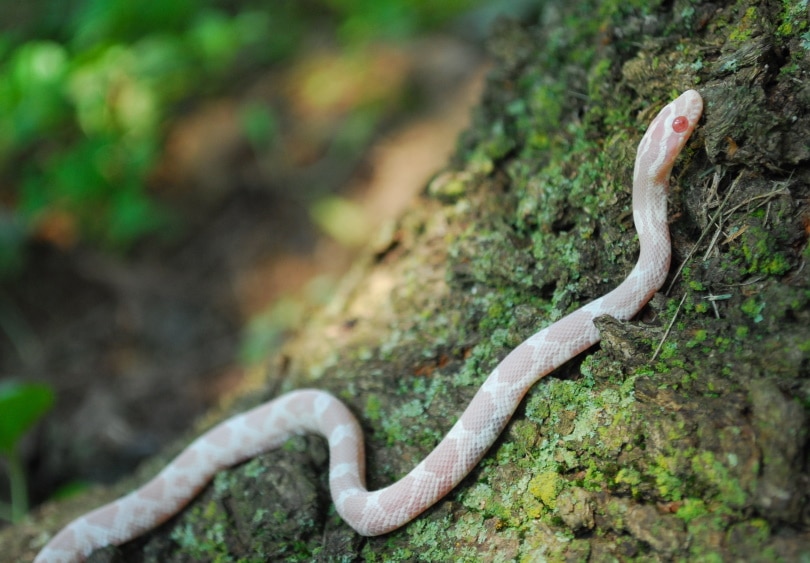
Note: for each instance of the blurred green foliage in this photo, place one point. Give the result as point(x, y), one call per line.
point(84, 96)
point(22, 405)
point(360, 20)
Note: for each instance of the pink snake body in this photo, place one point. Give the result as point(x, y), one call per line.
point(372, 513)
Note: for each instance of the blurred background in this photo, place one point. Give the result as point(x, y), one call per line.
point(179, 182)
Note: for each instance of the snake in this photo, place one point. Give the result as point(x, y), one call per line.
point(306, 411)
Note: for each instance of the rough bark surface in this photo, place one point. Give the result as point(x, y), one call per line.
point(684, 435)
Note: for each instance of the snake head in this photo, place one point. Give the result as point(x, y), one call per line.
point(665, 138)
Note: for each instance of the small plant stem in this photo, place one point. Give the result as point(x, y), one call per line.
point(19, 492)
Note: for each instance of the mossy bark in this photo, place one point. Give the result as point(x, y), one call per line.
point(684, 435)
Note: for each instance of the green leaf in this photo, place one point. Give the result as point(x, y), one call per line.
point(21, 405)
point(259, 125)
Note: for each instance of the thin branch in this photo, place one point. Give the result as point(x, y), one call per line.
point(669, 328)
point(686, 260)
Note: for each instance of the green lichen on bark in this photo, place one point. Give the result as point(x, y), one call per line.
point(699, 452)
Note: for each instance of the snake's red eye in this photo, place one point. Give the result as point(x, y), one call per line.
point(680, 124)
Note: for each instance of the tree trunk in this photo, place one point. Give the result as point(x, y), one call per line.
point(684, 435)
